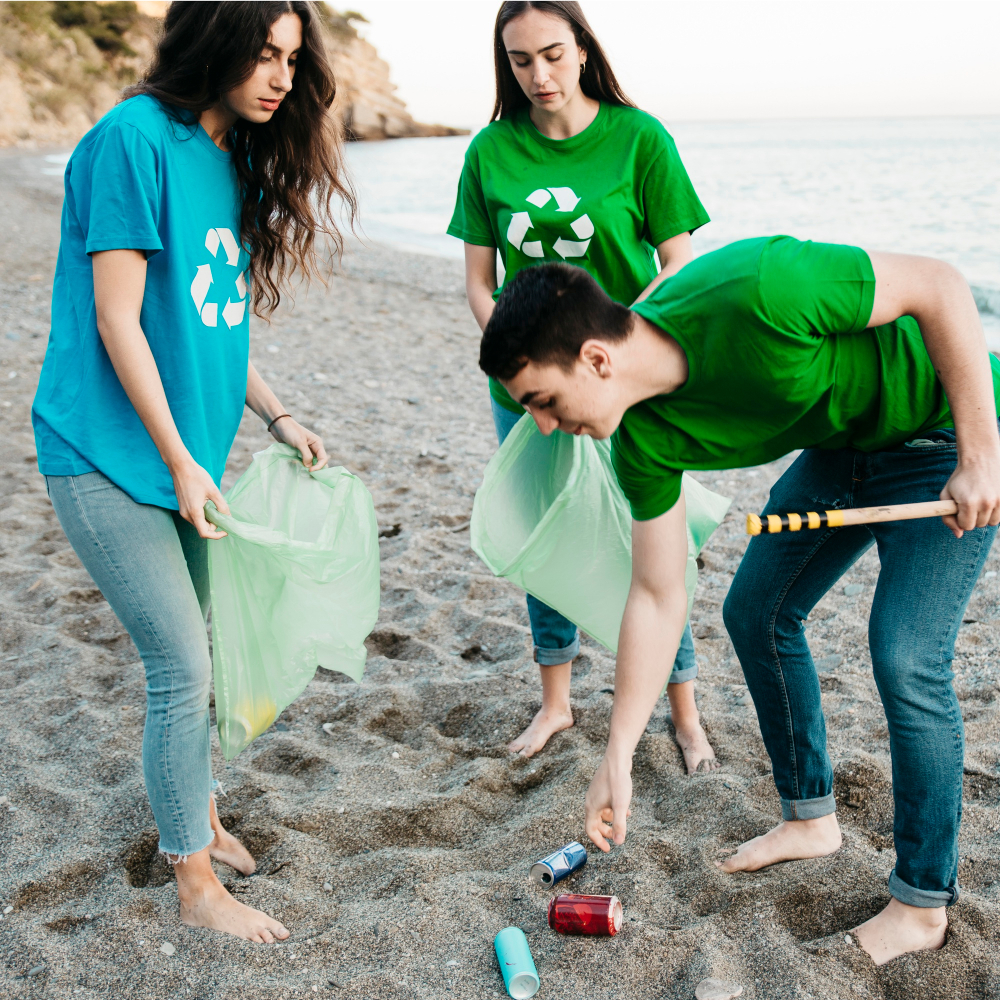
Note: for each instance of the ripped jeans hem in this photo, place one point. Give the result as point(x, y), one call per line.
point(175, 858)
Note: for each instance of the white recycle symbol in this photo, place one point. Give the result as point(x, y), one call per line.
point(232, 312)
point(566, 201)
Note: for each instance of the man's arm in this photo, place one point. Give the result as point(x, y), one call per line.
point(650, 634)
point(939, 299)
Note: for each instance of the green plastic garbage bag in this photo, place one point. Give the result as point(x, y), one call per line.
point(295, 585)
point(551, 517)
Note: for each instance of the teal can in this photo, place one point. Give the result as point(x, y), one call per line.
point(516, 964)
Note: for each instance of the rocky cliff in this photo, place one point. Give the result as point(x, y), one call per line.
point(62, 65)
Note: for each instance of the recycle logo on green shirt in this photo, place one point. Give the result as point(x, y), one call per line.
point(233, 311)
point(566, 200)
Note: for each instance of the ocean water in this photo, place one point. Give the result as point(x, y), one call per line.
point(917, 185)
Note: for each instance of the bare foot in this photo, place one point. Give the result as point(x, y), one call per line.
point(690, 737)
point(214, 907)
point(900, 929)
point(791, 840)
point(543, 726)
point(226, 848)
point(698, 752)
point(206, 903)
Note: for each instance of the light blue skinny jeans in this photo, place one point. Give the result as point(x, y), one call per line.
point(557, 639)
point(152, 567)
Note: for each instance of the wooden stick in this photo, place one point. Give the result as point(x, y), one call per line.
point(773, 523)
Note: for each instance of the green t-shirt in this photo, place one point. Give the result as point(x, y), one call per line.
point(602, 199)
point(779, 358)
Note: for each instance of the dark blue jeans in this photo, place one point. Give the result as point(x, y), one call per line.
point(925, 582)
point(556, 638)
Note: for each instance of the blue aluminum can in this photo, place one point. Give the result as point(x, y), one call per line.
point(516, 964)
point(557, 866)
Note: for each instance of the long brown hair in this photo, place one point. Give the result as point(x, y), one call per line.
point(290, 168)
point(598, 82)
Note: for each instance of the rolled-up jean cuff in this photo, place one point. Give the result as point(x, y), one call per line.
point(550, 657)
point(930, 898)
point(683, 676)
point(808, 808)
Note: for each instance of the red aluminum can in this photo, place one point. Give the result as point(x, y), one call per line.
point(573, 914)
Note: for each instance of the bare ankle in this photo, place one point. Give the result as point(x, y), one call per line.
point(556, 708)
point(683, 706)
point(555, 688)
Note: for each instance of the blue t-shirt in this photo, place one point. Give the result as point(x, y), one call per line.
point(140, 180)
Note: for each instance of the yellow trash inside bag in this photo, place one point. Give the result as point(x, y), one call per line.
point(295, 585)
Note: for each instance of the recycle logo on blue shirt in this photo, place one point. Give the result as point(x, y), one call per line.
point(566, 200)
point(231, 284)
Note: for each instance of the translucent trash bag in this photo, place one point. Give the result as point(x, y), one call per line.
point(551, 517)
point(295, 585)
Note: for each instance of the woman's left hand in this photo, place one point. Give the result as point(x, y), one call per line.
point(309, 445)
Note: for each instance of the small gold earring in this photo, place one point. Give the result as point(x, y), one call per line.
point(583, 68)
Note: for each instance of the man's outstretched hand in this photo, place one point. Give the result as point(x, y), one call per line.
point(606, 806)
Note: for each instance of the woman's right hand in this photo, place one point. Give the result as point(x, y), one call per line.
point(194, 488)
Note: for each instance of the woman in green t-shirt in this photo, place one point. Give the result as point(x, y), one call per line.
point(570, 170)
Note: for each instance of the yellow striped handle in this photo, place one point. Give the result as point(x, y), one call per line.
point(771, 524)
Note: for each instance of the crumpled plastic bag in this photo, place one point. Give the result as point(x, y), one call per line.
point(551, 517)
point(295, 585)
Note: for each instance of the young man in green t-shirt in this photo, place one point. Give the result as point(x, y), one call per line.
point(876, 365)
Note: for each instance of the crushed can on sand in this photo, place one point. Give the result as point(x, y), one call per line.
point(572, 914)
point(557, 866)
point(516, 964)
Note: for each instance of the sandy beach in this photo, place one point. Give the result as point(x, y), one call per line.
point(397, 845)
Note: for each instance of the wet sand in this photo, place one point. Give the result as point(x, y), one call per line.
point(411, 811)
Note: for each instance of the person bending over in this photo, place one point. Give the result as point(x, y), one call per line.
point(186, 206)
point(875, 365)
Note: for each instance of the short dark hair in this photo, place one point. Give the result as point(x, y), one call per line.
point(545, 314)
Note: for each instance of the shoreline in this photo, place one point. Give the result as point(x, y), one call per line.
point(427, 853)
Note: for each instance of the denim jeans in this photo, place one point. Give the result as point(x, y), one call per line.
point(152, 567)
point(925, 582)
point(556, 638)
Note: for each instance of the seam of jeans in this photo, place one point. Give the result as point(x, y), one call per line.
point(957, 723)
point(173, 796)
point(775, 611)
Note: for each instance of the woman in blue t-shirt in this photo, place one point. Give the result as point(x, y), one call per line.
point(185, 206)
point(570, 170)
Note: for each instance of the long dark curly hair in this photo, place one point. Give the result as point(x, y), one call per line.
point(599, 81)
point(290, 169)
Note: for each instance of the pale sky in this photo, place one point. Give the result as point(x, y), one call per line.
point(719, 59)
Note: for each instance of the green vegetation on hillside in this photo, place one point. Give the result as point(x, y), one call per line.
point(104, 26)
point(70, 59)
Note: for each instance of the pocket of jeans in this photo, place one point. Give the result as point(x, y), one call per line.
point(927, 444)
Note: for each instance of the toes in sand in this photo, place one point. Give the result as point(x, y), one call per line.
point(698, 753)
point(216, 909)
point(543, 727)
point(227, 849)
point(792, 840)
point(900, 929)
